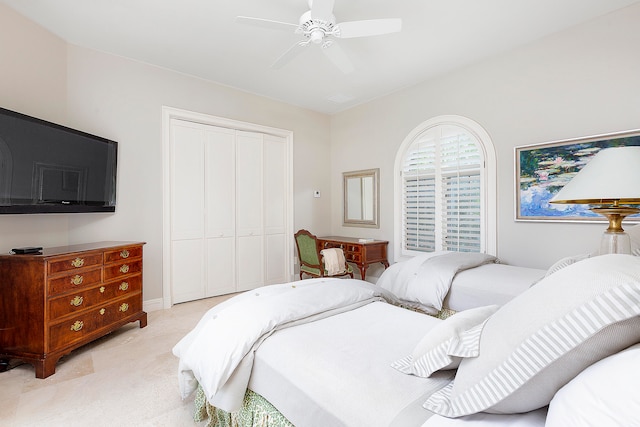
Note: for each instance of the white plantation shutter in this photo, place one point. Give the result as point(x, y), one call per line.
point(442, 191)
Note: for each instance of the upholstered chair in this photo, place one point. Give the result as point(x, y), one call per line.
point(311, 260)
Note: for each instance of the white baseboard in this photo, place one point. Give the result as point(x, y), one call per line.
point(153, 304)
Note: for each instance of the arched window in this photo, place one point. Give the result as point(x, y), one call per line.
point(445, 191)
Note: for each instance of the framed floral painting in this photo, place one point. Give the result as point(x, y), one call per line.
point(543, 169)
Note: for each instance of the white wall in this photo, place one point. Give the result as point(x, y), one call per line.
point(33, 82)
point(122, 100)
point(580, 82)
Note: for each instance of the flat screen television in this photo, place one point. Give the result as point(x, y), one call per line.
point(49, 168)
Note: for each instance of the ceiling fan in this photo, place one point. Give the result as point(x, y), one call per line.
point(318, 26)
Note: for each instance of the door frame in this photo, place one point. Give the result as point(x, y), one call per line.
point(169, 113)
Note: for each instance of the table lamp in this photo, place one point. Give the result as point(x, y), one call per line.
point(609, 182)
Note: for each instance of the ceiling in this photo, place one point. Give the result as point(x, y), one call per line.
point(202, 38)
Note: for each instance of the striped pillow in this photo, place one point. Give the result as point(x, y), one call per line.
point(565, 262)
point(541, 339)
point(443, 347)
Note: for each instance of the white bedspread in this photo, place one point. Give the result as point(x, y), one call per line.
point(337, 371)
point(218, 353)
point(425, 280)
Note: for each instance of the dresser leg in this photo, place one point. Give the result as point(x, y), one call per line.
point(143, 319)
point(45, 367)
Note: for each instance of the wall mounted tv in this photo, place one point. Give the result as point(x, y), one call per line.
point(49, 168)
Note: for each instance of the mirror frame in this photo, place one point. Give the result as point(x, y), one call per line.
point(373, 223)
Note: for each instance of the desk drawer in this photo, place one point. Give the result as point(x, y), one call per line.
point(353, 257)
point(353, 249)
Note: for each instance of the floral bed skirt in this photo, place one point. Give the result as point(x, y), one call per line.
point(256, 411)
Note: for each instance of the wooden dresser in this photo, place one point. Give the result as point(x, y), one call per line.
point(362, 254)
point(54, 302)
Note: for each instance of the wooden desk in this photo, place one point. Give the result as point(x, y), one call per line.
point(362, 254)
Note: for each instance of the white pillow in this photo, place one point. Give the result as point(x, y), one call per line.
point(565, 262)
point(541, 339)
point(432, 280)
point(604, 394)
point(442, 348)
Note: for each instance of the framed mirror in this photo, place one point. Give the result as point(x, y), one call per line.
point(361, 198)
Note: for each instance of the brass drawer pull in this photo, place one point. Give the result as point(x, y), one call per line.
point(77, 280)
point(102, 289)
point(124, 307)
point(78, 262)
point(123, 286)
point(102, 311)
point(124, 253)
point(77, 301)
point(77, 325)
point(124, 268)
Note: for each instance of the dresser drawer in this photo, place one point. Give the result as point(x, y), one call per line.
point(85, 323)
point(123, 286)
point(74, 262)
point(78, 301)
point(122, 269)
point(121, 254)
point(80, 280)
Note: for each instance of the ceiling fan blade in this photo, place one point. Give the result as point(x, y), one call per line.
point(371, 27)
point(266, 23)
point(322, 9)
point(289, 54)
point(339, 58)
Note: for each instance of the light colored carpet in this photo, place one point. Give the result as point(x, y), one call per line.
point(128, 378)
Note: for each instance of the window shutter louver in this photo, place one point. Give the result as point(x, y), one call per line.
point(420, 196)
point(442, 185)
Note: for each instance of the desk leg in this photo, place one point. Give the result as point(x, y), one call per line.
point(363, 270)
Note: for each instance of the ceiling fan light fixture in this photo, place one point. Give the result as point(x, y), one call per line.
point(316, 36)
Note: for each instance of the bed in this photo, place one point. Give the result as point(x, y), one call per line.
point(442, 283)
point(343, 352)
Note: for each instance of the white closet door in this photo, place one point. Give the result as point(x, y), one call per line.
point(249, 210)
point(275, 208)
point(220, 213)
point(229, 210)
point(187, 211)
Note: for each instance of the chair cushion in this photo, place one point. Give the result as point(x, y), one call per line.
point(310, 270)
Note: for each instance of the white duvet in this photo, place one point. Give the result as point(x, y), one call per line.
point(218, 352)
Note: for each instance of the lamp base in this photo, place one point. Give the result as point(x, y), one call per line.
point(615, 243)
point(615, 240)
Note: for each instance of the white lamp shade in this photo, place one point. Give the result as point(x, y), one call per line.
point(612, 175)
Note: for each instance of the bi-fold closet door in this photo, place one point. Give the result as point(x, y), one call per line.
point(228, 210)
